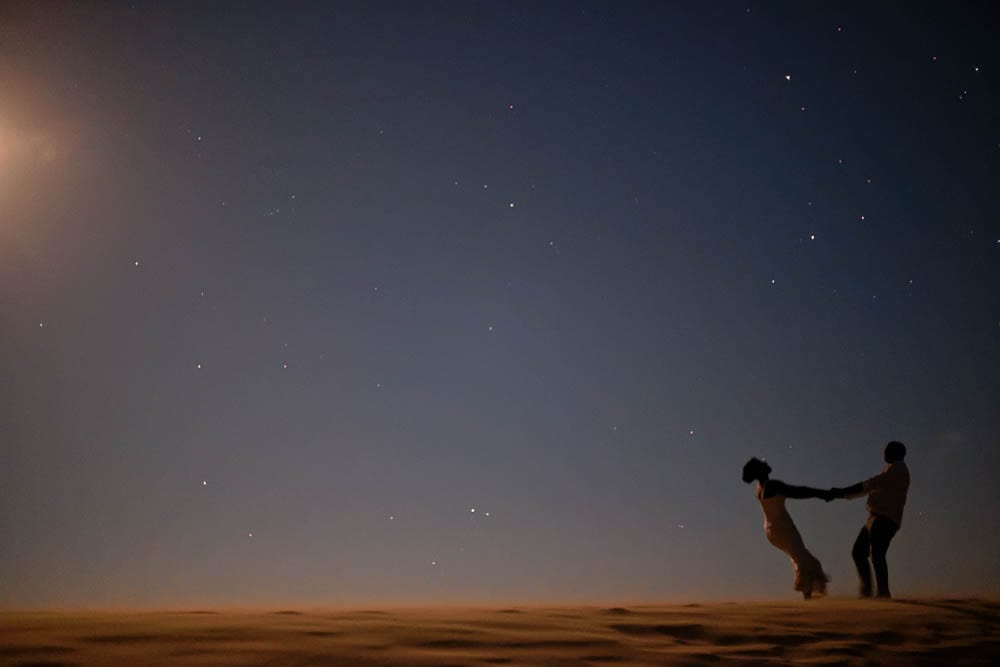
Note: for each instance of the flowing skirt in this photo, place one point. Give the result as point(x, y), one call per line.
point(810, 579)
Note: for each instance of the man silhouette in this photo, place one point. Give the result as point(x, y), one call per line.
point(886, 496)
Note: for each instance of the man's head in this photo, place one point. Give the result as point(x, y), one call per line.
point(895, 451)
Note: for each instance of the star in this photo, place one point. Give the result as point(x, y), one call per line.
point(41, 324)
point(512, 204)
point(198, 366)
point(691, 432)
point(473, 510)
point(204, 483)
point(434, 562)
point(487, 513)
point(490, 327)
point(249, 534)
point(284, 365)
point(137, 262)
point(788, 77)
point(812, 237)
point(772, 281)
point(392, 518)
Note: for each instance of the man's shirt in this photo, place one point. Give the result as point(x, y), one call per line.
point(887, 491)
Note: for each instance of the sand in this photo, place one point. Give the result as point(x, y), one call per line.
point(819, 632)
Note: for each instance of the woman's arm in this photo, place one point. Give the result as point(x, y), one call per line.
point(776, 487)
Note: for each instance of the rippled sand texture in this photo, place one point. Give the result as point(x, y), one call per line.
point(823, 632)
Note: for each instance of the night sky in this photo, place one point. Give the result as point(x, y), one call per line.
point(419, 302)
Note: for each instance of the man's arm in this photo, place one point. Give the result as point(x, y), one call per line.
point(849, 492)
point(882, 480)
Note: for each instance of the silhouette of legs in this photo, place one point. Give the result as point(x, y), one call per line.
point(860, 551)
point(873, 541)
point(880, 534)
point(810, 579)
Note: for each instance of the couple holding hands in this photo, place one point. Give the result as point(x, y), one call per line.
point(886, 496)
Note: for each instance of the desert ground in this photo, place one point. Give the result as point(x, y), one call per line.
point(819, 632)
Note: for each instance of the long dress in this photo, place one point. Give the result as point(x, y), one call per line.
point(781, 532)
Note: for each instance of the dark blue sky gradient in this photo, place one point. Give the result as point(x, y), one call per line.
point(319, 199)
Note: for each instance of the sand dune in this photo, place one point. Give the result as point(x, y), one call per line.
point(823, 632)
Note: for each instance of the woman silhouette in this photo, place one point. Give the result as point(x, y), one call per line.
point(780, 529)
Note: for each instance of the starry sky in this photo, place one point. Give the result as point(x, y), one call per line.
point(419, 302)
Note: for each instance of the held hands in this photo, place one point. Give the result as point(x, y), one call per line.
point(831, 494)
